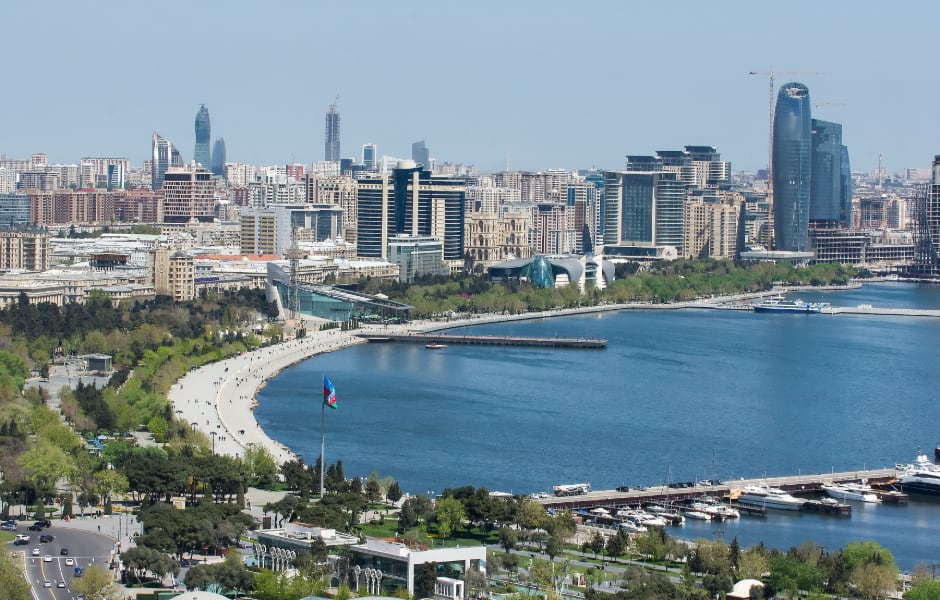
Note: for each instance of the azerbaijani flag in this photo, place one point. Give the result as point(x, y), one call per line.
point(329, 392)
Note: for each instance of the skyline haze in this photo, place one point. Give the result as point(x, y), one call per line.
point(534, 85)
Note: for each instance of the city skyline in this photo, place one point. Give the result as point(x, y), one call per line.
point(527, 102)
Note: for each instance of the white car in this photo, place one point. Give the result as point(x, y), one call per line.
point(69, 562)
point(47, 583)
point(35, 551)
point(47, 558)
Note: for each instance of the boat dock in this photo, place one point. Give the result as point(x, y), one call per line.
point(488, 340)
point(798, 485)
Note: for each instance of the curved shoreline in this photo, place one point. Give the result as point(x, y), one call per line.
point(220, 397)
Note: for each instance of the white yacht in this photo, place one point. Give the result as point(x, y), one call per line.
point(922, 477)
point(851, 491)
point(692, 512)
point(769, 497)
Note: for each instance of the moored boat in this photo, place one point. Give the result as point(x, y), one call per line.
point(789, 306)
point(851, 491)
point(435, 346)
point(769, 497)
point(922, 477)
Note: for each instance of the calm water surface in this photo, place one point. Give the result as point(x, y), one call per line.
point(676, 396)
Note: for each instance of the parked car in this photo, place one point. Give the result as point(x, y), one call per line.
point(8, 527)
point(623, 488)
point(44, 523)
point(35, 527)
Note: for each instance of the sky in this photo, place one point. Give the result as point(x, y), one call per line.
point(528, 84)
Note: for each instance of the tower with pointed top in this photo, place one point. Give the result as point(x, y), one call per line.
point(331, 145)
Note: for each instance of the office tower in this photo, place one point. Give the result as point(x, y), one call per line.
point(845, 210)
point(201, 152)
point(368, 156)
point(331, 146)
point(217, 161)
point(825, 205)
point(792, 166)
point(421, 155)
point(165, 155)
point(414, 202)
point(188, 195)
point(643, 204)
point(927, 227)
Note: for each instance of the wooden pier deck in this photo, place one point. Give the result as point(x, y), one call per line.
point(487, 340)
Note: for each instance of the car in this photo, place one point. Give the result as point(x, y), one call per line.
point(8, 527)
point(64, 551)
point(47, 583)
point(47, 558)
point(60, 583)
point(21, 539)
point(46, 537)
point(623, 488)
point(35, 527)
point(70, 562)
point(35, 551)
point(46, 523)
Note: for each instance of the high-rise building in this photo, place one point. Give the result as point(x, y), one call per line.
point(927, 228)
point(411, 201)
point(421, 155)
point(792, 167)
point(188, 195)
point(165, 155)
point(825, 205)
point(331, 145)
point(368, 156)
point(217, 161)
point(845, 210)
point(203, 130)
point(644, 204)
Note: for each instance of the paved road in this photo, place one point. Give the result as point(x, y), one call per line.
point(85, 548)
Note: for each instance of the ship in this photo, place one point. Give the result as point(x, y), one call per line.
point(789, 306)
point(769, 497)
point(922, 477)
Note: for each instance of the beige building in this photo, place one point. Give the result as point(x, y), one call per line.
point(490, 239)
point(174, 274)
point(710, 228)
point(24, 250)
point(338, 190)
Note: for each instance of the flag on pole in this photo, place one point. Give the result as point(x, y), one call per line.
point(329, 392)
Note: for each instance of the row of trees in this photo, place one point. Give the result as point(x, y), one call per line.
point(660, 282)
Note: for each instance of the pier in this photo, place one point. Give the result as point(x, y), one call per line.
point(488, 340)
point(798, 485)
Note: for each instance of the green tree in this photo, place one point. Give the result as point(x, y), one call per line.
point(449, 514)
point(96, 584)
point(425, 578)
point(394, 492)
point(260, 466)
point(924, 589)
point(11, 579)
point(597, 543)
point(508, 538)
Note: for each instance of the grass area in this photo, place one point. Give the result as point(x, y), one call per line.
point(389, 528)
point(6, 536)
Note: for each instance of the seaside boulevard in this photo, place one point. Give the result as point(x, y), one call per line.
point(219, 398)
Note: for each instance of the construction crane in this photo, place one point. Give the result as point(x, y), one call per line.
point(771, 74)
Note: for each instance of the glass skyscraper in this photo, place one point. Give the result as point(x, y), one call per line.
point(826, 190)
point(201, 152)
point(792, 163)
point(218, 158)
point(331, 144)
point(165, 155)
point(845, 211)
point(368, 156)
point(421, 155)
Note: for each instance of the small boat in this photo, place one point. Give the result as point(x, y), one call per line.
point(851, 491)
point(435, 346)
point(695, 512)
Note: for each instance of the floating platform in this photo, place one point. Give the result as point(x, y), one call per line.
point(488, 340)
point(829, 508)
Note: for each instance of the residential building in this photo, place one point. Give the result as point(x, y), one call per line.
point(337, 190)
point(644, 204)
point(711, 227)
point(274, 229)
point(792, 167)
point(110, 173)
point(188, 195)
point(416, 256)
point(26, 250)
point(203, 129)
point(174, 274)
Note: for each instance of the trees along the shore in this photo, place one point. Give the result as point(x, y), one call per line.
point(449, 513)
point(871, 568)
point(924, 589)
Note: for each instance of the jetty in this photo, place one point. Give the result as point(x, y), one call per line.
point(487, 340)
point(798, 485)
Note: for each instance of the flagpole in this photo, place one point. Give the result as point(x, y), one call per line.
point(322, 446)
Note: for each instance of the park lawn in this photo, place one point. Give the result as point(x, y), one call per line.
point(6, 536)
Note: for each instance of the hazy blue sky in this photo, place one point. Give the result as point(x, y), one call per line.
point(546, 84)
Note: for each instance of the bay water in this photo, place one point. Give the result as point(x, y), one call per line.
point(677, 395)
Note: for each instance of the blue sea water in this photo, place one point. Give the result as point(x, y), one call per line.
point(676, 396)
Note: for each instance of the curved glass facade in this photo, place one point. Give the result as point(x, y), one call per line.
point(201, 152)
point(826, 196)
point(218, 158)
point(540, 273)
point(792, 162)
